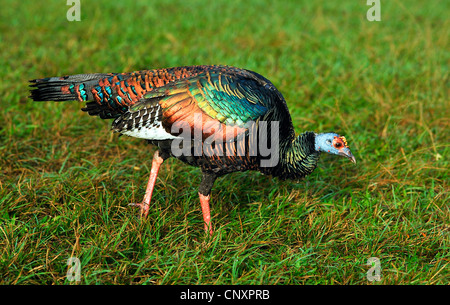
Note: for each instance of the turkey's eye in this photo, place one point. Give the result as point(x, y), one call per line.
point(338, 145)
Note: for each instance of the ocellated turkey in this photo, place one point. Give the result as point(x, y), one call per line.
point(199, 105)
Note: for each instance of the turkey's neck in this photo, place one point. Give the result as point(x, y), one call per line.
point(298, 157)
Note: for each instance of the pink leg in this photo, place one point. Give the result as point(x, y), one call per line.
point(204, 201)
point(145, 205)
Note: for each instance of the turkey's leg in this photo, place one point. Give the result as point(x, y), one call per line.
point(145, 205)
point(204, 202)
point(204, 195)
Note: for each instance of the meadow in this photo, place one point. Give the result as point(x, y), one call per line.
point(66, 180)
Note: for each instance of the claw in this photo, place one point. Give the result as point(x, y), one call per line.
point(144, 208)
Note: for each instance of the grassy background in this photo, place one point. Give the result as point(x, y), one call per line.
point(66, 181)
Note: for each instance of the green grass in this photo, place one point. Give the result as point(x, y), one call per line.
point(66, 181)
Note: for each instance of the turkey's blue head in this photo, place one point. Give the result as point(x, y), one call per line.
point(333, 143)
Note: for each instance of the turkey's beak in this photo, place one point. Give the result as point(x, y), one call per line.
point(345, 152)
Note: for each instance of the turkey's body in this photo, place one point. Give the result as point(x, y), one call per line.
point(212, 117)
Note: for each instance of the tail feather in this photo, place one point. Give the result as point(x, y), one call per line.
point(66, 88)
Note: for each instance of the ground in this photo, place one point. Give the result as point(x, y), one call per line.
point(66, 180)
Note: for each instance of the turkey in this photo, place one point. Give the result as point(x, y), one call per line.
point(221, 119)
